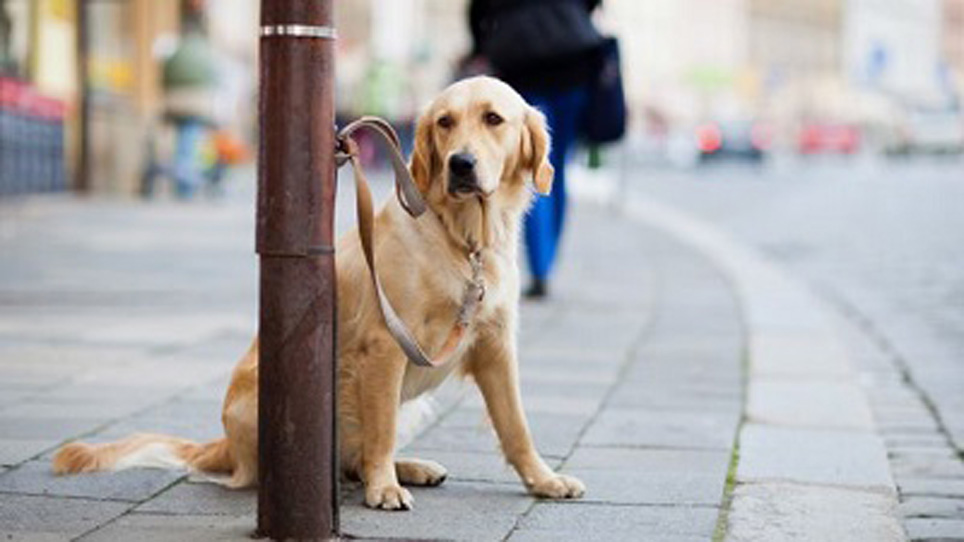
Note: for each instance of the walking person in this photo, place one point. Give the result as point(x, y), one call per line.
point(189, 82)
point(548, 51)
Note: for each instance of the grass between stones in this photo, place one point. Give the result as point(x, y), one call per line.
point(723, 520)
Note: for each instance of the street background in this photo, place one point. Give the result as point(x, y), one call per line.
point(823, 138)
point(703, 77)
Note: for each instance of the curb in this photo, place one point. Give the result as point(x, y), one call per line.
point(811, 464)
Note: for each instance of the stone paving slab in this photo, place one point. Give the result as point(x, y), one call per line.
point(182, 528)
point(604, 536)
point(831, 404)
point(11, 536)
point(576, 372)
point(678, 399)
point(592, 522)
point(935, 529)
point(798, 355)
point(36, 478)
point(778, 512)
point(932, 507)
point(814, 456)
point(650, 460)
point(45, 514)
point(669, 429)
point(84, 410)
point(16, 451)
point(201, 425)
point(930, 486)
point(202, 499)
point(555, 434)
point(83, 392)
point(46, 428)
point(631, 486)
point(453, 511)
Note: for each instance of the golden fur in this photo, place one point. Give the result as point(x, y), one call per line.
point(424, 267)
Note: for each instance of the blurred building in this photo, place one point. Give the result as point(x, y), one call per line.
point(794, 39)
point(393, 56)
point(952, 40)
point(684, 60)
point(794, 52)
point(126, 43)
point(893, 47)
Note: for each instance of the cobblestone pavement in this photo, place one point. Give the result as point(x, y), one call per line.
point(117, 318)
point(882, 241)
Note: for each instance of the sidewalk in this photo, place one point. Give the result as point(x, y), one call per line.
point(117, 318)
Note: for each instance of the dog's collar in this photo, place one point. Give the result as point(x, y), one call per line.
point(474, 290)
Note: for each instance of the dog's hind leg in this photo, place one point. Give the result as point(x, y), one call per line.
point(420, 472)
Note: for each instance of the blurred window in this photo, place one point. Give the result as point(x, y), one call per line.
point(111, 49)
point(14, 37)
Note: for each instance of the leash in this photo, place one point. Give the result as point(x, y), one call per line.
point(414, 204)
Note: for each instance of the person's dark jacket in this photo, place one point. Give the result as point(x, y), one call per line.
point(537, 45)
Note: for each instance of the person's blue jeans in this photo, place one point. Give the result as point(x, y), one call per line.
point(545, 221)
point(188, 176)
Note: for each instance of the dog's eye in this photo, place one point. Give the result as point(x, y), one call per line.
point(445, 121)
point(492, 119)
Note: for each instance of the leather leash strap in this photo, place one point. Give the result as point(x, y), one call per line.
point(413, 203)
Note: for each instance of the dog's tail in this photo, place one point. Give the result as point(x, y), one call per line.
point(145, 450)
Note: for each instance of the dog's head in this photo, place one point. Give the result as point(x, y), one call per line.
point(477, 137)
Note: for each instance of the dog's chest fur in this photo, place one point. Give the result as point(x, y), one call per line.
point(500, 275)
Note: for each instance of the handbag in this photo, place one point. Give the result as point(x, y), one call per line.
point(605, 120)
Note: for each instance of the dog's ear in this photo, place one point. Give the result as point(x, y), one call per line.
point(423, 154)
point(535, 150)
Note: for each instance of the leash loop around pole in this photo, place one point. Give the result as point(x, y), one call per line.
point(408, 194)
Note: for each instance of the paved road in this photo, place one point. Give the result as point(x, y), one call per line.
point(884, 241)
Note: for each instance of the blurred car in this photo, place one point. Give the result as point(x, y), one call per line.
point(931, 131)
point(746, 140)
point(818, 138)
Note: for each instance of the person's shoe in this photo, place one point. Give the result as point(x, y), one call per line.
point(538, 289)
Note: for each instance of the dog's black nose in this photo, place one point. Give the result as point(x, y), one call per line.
point(462, 164)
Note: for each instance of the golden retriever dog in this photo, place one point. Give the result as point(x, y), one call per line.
point(476, 146)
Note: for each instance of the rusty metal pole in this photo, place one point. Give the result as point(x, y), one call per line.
point(297, 496)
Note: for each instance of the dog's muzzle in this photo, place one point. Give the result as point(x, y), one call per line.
point(462, 175)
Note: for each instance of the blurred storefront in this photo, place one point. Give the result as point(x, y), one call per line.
point(45, 44)
point(36, 48)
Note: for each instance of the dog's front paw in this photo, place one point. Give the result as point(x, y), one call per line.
point(558, 486)
point(393, 497)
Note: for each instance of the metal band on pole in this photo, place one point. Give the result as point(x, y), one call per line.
point(299, 31)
